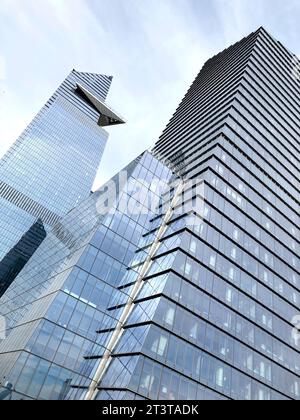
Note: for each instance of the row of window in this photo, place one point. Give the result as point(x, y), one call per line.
point(77, 316)
point(251, 145)
point(62, 347)
point(228, 319)
point(266, 125)
point(188, 268)
point(234, 253)
point(259, 274)
point(193, 362)
point(232, 272)
point(248, 90)
point(263, 210)
point(249, 235)
point(154, 381)
point(249, 159)
point(102, 265)
point(268, 203)
point(282, 84)
point(223, 318)
point(37, 378)
point(237, 150)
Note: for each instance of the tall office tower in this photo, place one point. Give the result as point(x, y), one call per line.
point(52, 165)
point(205, 307)
point(213, 314)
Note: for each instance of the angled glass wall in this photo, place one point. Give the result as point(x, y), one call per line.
point(59, 301)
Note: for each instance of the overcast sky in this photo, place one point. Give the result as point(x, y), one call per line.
point(153, 48)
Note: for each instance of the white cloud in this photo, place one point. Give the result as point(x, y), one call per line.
point(2, 68)
point(154, 49)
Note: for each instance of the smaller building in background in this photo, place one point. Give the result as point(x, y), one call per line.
point(51, 168)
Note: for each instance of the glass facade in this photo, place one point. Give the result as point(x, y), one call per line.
point(59, 301)
point(52, 165)
point(213, 317)
point(192, 295)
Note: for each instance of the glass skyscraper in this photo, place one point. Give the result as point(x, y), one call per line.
point(51, 167)
point(194, 297)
